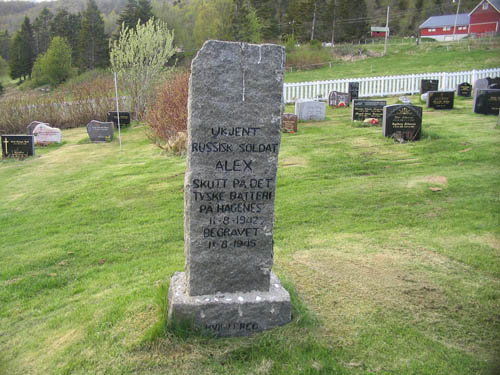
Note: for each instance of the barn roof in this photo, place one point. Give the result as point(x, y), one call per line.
point(495, 3)
point(447, 20)
point(380, 29)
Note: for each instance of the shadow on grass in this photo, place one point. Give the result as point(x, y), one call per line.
point(281, 350)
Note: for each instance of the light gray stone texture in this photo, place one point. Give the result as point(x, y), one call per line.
point(234, 134)
point(310, 110)
point(234, 122)
point(230, 314)
point(32, 126)
point(45, 135)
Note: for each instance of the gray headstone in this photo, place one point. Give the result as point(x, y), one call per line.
point(310, 110)
point(31, 127)
point(482, 83)
point(404, 100)
point(234, 130)
point(339, 99)
point(100, 131)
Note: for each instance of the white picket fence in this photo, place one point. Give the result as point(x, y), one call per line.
point(382, 86)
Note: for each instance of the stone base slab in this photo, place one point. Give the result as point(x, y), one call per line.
point(229, 314)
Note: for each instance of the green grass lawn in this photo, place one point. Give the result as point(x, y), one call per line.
point(387, 276)
point(408, 59)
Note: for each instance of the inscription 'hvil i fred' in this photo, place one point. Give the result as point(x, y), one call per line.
point(234, 124)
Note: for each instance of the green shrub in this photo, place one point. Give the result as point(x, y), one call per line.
point(54, 66)
point(1, 89)
point(315, 44)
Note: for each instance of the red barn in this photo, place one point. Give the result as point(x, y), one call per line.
point(485, 17)
point(379, 32)
point(442, 28)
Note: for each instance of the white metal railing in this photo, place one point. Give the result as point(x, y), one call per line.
point(382, 86)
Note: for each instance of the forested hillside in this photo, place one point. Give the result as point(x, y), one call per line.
point(277, 17)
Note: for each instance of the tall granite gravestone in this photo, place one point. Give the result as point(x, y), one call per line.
point(353, 89)
point(289, 122)
point(428, 85)
point(17, 146)
point(100, 131)
point(124, 118)
point(310, 110)
point(440, 99)
point(487, 101)
point(31, 127)
point(338, 99)
point(45, 135)
point(402, 121)
point(235, 102)
point(363, 109)
point(464, 89)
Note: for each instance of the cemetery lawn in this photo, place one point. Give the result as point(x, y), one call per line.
point(407, 58)
point(386, 275)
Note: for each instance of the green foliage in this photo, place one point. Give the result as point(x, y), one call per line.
point(22, 52)
point(67, 25)
point(41, 31)
point(1, 89)
point(290, 44)
point(139, 56)
point(93, 42)
point(3, 66)
point(247, 27)
point(5, 45)
point(54, 66)
point(135, 12)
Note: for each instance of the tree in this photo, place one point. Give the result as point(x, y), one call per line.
point(247, 26)
point(135, 12)
point(3, 66)
point(93, 43)
point(67, 25)
point(54, 66)
point(22, 56)
point(5, 45)
point(139, 56)
point(41, 31)
point(212, 21)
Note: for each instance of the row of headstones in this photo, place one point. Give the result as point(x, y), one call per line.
point(486, 101)
point(40, 133)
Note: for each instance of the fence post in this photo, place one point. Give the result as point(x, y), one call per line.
point(474, 77)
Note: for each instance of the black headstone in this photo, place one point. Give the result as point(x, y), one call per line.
point(404, 121)
point(18, 146)
point(124, 118)
point(464, 89)
point(338, 99)
point(428, 85)
point(487, 101)
point(363, 109)
point(440, 99)
point(353, 90)
point(100, 131)
point(494, 83)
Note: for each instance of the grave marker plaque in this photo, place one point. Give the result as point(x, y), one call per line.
point(234, 131)
point(429, 85)
point(353, 89)
point(17, 146)
point(363, 109)
point(404, 121)
point(338, 99)
point(310, 110)
point(289, 122)
point(124, 118)
point(487, 101)
point(100, 131)
point(464, 89)
point(440, 99)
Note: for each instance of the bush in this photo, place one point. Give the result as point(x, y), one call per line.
point(307, 57)
point(1, 89)
point(315, 44)
point(167, 116)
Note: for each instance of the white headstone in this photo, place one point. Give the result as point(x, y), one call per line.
point(45, 134)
